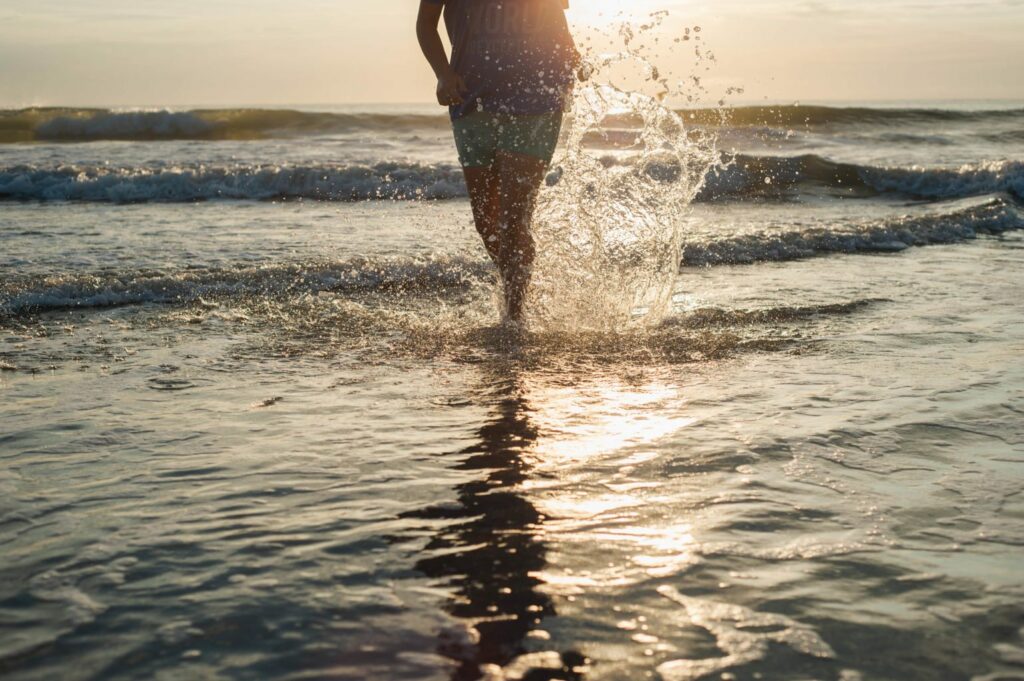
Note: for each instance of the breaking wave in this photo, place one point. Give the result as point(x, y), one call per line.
point(78, 125)
point(810, 115)
point(993, 217)
point(392, 181)
point(446, 277)
point(769, 176)
point(745, 177)
point(84, 125)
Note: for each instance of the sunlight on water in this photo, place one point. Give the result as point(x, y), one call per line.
point(608, 226)
point(603, 418)
point(603, 427)
point(608, 421)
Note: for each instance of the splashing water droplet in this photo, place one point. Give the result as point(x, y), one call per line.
point(608, 225)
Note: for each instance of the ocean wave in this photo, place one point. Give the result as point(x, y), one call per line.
point(80, 124)
point(794, 116)
point(444, 276)
point(132, 287)
point(810, 116)
point(764, 177)
point(947, 183)
point(771, 176)
point(140, 125)
point(182, 184)
point(954, 138)
point(84, 125)
point(993, 217)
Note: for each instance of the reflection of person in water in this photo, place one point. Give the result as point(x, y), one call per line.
point(506, 85)
point(488, 555)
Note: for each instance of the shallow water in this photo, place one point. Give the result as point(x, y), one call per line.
point(278, 434)
point(811, 470)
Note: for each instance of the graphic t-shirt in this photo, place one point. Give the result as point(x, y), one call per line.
point(516, 56)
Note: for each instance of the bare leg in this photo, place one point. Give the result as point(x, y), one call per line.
point(482, 183)
point(519, 178)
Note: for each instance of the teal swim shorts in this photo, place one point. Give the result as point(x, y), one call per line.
point(480, 135)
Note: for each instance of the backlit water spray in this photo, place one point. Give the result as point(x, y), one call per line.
point(608, 226)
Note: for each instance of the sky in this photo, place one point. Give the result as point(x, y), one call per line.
point(335, 52)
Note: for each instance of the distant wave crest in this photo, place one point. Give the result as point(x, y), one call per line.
point(142, 125)
point(769, 176)
point(84, 125)
point(87, 125)
point(763, 177)
point(810, 115)
point(381, 181)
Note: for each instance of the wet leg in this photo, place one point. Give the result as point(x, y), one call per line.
point(519, 179)
point(482, 183)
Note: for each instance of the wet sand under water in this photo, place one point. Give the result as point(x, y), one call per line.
point(812, 470)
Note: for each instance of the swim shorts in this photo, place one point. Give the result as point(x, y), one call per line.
point(480, 135)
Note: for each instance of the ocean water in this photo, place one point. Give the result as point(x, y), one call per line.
point(258, 420)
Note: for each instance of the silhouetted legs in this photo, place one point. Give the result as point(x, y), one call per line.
point(504, 196)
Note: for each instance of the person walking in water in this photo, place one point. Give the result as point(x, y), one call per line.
point(506, 85)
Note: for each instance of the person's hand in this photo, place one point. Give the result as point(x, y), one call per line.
point(450, 88)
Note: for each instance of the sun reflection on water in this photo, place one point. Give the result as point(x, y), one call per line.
point(580, 422)
point(571, 508)
point(610, 424)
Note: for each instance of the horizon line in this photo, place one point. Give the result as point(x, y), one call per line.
point(822, 101)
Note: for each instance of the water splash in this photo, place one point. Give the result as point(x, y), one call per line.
point(609, 233)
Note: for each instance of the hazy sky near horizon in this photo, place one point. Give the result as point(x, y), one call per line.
point(258, 52)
